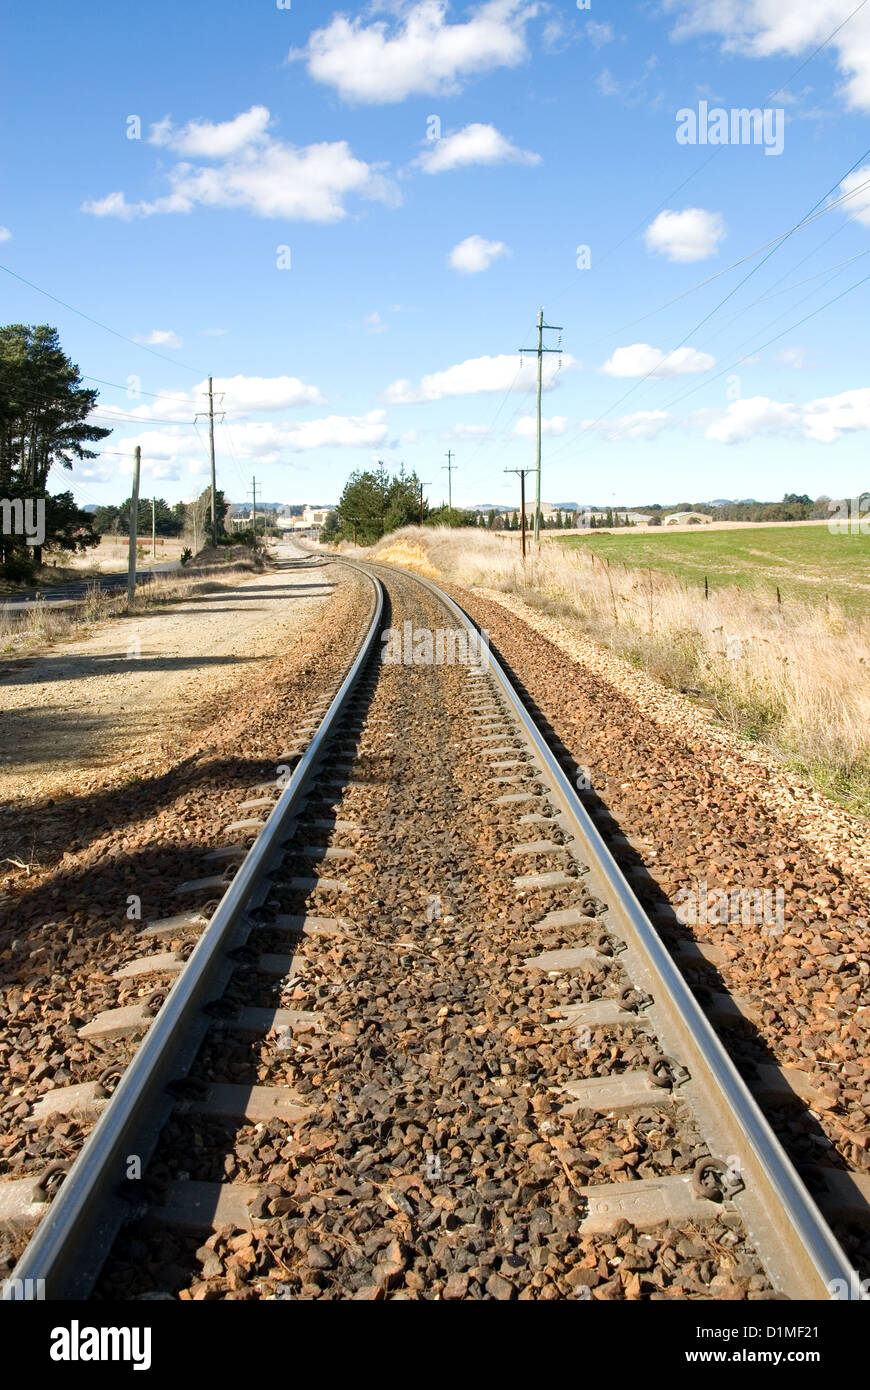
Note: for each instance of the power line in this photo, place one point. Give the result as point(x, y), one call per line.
point(837, 271)
point(236, 465)
point(811, 217)
point(154, 395)
point(815, 53)
point(736, 363)
point(701, 284)
point(502, 404)
point(718, 150)
point(115, 334)
point(730, 295)
point(125, 418)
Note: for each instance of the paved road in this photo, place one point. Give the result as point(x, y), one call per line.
point(61, 595)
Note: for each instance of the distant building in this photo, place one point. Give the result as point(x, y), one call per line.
point(312, 520)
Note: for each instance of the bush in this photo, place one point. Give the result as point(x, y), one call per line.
point(18, 566)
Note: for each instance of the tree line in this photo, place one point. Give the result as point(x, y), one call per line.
point(793, 507)
point(181, 519)
point(374, 503)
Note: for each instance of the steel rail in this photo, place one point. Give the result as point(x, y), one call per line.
point(70, 1243)
point(801, 1254)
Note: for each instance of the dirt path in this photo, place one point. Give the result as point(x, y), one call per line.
point(104, 709)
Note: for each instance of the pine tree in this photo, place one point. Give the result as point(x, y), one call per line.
point(44, 420)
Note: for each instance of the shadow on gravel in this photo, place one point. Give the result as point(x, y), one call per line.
point(83, 819)
point(260, 591)
point(796, 1126)
point(58, 668)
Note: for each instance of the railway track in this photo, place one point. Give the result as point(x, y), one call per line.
point(428, 1044)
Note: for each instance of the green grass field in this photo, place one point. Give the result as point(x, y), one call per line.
point(806, 562)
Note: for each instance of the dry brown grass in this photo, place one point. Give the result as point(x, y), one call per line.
point(794, 680)
point(43, 623)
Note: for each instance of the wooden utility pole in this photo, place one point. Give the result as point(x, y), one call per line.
point(254, 509)
point(450, 466)
point(213, 474)
point(540, 350)
point(522, 472)
point(134, 521)
point(153, 528)
point(422, 505)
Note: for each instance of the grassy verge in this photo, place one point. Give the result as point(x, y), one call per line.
point(793, 678)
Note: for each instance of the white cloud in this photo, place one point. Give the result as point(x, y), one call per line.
point(375, 324)
point(474, 144)
point(476, 375)
point(212, 332)
point(251, 393)
point(764, 28)
point(93, 471)
point(113, 205)
point(823, 421)
point(528, 425)
point(237, 395)
point(858, 205)
point(165, 453)
point(794, 357)
point(829, 417)
point(755, 416)
point(5, 234)
point(336, 430)
point(643, 424)
point(160, 337)
point(692, 235)
point(263, 441)
point(420, 53)
point(257, 174)
point(640, 360)
point(599, 34)
point(475, 253)
point(466, 432)
point(553, 35)
point(633, 90)
point(607, 84)
point(207, 140)
point(409, 437)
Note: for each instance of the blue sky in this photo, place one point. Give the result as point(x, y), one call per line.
point(350, 218)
